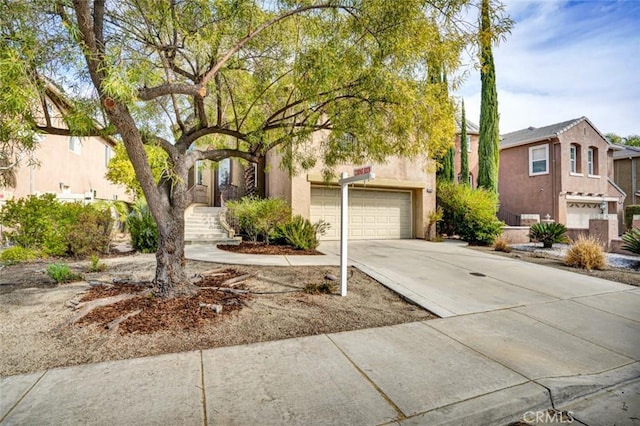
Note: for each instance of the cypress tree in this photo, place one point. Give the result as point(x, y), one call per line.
point(488, 149)
point(464, 154)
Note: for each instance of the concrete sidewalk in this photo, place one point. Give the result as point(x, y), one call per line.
point(516, 340)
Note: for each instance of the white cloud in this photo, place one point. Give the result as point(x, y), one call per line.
point(566, 59)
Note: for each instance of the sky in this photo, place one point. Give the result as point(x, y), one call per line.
point(563, 60)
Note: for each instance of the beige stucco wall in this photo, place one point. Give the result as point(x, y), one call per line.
point(396, 173)
point(58, 165)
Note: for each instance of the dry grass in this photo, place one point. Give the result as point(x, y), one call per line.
point(586, 253)
point(500, 244)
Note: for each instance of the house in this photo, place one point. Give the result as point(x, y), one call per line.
point(564, 170)
point(73, 168)
point(393, 205)
point(471, 145)
point(626, 169)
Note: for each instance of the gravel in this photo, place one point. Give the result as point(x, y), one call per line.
point(559, 251)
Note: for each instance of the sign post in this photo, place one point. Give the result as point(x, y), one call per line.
point(359, 174)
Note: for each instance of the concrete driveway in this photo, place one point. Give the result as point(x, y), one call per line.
point(450, 279)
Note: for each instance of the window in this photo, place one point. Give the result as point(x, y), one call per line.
point(592, 161)
point(575, 159)
point(539, 160)
point(108, 154)
point(75, 144)
point(468, 144)
point(199, 168)
point(224, 173)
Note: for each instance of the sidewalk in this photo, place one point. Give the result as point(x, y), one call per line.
point(572, 348)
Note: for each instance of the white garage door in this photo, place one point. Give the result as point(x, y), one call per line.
point(578, 214)
point(372, 214)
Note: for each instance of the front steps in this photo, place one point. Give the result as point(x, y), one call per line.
point(202, 226)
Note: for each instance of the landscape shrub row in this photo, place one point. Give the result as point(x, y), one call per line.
point(269, 220)
point(44, 224)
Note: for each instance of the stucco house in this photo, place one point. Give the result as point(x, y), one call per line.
point(626, 172)
point(393, 205)
point(564, 170)
point(73, 168)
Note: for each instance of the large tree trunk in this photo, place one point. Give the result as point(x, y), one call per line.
point(171, 278)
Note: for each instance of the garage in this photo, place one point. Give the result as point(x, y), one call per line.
point(578, 214)
point(373, 214)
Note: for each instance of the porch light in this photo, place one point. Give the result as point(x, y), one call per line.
point(603, 206)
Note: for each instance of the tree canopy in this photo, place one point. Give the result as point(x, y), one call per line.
point(213, 79)
point(632, 140)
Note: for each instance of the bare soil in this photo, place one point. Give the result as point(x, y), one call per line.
point(37, 332)
point(624, 276)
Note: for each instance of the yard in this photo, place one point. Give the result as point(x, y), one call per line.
point(36, 314)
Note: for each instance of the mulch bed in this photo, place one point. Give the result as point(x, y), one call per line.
point(261, 248)
point(177, 313)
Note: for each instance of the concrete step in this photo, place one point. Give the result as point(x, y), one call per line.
point(234, 241)
point(206, 210)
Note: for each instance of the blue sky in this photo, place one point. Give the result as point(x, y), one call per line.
point(565, 59)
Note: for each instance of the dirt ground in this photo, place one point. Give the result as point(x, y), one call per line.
point(35, 312)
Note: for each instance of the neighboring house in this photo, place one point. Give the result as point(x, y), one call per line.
point(392, 206)
point(471, 145)
point(564, 170)
point(72, 168)
point(626, 166)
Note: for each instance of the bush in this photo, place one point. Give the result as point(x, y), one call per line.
point(469, 213)
point(629, 212)
point(32, 220)
point(58, 229)
point(500, 244)
point(91, 234)
point(61, 273)
point(96, 265)
point(259, 217)
point(548, 233)
point(631, 240)
point(143, 228)
point(301, 233)
point(326, 287)
point(587, 253)
point(17, 254)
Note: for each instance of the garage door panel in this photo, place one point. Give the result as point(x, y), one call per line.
point(578, 214)
point(372, 214)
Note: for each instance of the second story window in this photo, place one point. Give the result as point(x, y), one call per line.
point(592, 161)
point(574, 159)
point(468, 143)
point(539, 160)
point(75, 144)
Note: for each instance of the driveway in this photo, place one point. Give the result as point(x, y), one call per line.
point(450, 279)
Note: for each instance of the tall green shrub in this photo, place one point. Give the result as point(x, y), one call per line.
point(469, 213)
point(259, 217)
point(464, 153)
point(488, 150)
point(143, 228)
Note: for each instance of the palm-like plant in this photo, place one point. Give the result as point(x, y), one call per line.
point(631, 240)
point(548, 233)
